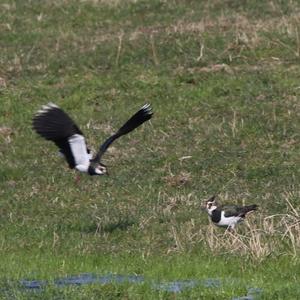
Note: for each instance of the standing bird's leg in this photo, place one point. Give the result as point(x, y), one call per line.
point(231, 229)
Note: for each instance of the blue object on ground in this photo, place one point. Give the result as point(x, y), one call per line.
point(85, 278)
point(33, 284)
point(172, 286)
point(175, 286)
point(180, 285)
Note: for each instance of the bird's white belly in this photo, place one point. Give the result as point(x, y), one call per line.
point(228, 221)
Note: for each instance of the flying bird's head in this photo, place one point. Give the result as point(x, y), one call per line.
point(99, 169)
point(210, 205)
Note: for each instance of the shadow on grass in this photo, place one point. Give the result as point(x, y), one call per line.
point(94, 227)
point(120, 225)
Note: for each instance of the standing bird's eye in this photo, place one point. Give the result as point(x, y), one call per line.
point(208, 204)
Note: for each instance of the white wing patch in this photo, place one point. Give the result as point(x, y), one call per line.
point(78, 148)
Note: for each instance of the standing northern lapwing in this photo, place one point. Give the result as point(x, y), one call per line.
point(227, 215)
point(53, 124)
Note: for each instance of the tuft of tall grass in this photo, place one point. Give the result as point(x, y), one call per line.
point(263, 236)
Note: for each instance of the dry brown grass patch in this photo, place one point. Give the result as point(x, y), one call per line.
point(178, 180)
point(263, 236)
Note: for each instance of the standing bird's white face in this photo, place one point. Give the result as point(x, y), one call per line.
point(210, 206)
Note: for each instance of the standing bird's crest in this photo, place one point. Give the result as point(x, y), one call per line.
point(53, 124)
point(227, 215)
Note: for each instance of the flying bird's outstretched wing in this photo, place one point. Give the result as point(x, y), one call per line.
point(143, 115)
point(53, 124)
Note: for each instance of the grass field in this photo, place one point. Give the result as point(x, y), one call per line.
point(223, 81)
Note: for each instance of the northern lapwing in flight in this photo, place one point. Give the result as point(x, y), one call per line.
point(53, 124)
point(227, 216)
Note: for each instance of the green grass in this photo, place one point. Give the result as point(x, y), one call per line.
point(223, 80)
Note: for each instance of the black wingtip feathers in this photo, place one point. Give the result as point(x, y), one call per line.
point(143, 115)
point(52, 123)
